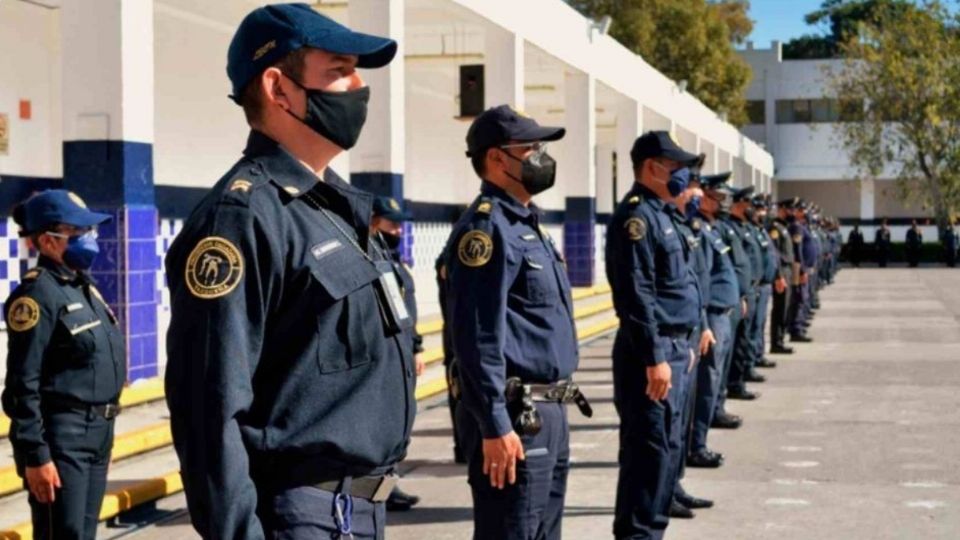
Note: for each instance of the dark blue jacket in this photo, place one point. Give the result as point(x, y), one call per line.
point(655, 290)
point(730, 234)
point(723, 291)
point(509, 305)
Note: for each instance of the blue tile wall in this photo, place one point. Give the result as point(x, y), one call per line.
point(579, 241)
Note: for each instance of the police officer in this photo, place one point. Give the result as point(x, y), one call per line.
point(66, 365)
point(388, 220)
point(449, 362)
point(744, 350)
point(290, 379)
point(721, 299)
point(855, 246)
point(771, 278)
point(798, 308)
point(950, 244)
point(657, 299)
point(914, 242)
point(789, 268)
point(881, 242)
point(511, 314)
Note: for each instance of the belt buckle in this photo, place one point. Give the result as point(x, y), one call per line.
point(387, 483)
point(111, 411)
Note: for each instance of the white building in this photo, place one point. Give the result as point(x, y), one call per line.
point(794, 116)
point(125, 102)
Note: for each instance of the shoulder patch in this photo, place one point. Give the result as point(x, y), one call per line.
point(797, 238)
point(636, 228)
point(24, 314)
point(485, 207)
point(774, 233)
point(475, 249)
point(634, 200)
point(32, 274)
point(214, 268)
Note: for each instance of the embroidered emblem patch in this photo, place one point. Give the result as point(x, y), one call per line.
point(24, 314)
point(214, 268)
point(475, 249)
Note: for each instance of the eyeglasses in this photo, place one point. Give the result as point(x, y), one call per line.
point(77, 232)
point(539, 149)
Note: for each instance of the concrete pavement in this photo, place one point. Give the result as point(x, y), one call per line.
point(856, 436)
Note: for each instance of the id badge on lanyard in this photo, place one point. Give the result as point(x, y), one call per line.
point(395, 314)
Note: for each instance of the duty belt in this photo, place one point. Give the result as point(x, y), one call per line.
point(106, 410)
point(559, 392)
point(720, 311)
point(371, 488)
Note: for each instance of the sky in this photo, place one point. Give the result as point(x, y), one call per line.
point(781, 20)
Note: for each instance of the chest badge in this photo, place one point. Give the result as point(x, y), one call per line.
point(214, 268)
point(24, 314)
point(636, 228)
point(475, 249)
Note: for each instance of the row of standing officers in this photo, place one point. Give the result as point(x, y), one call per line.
point(292, 354)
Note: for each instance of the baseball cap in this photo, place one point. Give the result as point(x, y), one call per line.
point(500, 125)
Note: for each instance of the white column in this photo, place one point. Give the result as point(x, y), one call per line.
point(605, 195)
point(577, 172)
point(629, 127)
point(380, 150)
point(503, 78)
point(867, 199)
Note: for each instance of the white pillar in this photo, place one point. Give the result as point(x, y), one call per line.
point(629, 127)
point(377, 161)
point(503, 68)
point(605, 179)
point(867, 199)
point(576, 175)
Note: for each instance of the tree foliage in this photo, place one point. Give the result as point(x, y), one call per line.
point(691, 40)
point(842, 20)
point(903, 67)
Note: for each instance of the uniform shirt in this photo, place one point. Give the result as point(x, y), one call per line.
point(809, 248)
point(738, 255)
point(281, 370)
point(690, 231)
point(914, 237)
point(509, 305)
point(409, 291)
point(723, 291)
point(770, 255)
point(62, 341)
point(882, 237)
point(655, 291)
point(783, 242)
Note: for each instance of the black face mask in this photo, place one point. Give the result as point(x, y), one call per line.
point(536, 175)
point(338, 116)
point(392, 241)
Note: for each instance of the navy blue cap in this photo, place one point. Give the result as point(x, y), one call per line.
point(743, 194)
point(389, 208)
point(269, 33)
point(760, 201)
point(714, 181)
point(503, 124)
point(54, 206)
point(654, 144)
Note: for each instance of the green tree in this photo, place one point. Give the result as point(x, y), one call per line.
point(903, 68)
point(691, 40)
point(842, 19)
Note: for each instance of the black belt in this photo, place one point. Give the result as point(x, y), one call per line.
point(720, 311)
point(371, 488)
point(106, 410)
point(685, 333)
point(561, 392)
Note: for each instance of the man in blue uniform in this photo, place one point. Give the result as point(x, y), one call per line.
point(66, 365)
point(914, 244)
point(291, 377)
point(721, 299)
point(388, 220)
point(882, 243)
point(657, 299)
point(511, 315)
point(744, 349)
point(789, 272)
point(800, 297)
point(771, 279)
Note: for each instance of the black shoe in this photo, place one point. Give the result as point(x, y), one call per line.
point(726, 420)
point(704, 459)
point(781, 349)
point(398, 501)
point(680, 511)
point(766, 363)
point(800, 338)
point(754, 377)
point(742, 394)
point(692, 502)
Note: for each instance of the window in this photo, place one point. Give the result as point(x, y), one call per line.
point(756, 112)
point(803, 111)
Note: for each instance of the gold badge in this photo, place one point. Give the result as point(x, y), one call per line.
point(475, 249)
point(214, 268)
point(76, 199)
point(696, 224)
point(636, 228)
point(484, 207)
point(797, 238)
point(24, 314)
point(258, 54)
point(634, 200)
point(241, 185)
point(394, 204)
point(774, 234)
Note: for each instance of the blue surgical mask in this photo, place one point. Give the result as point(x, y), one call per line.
point(693, 206)
point(81, 251)
point(679, 180)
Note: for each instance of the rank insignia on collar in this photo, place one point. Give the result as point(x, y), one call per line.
point(484, 207)
point(475, 249)
point(241, 185)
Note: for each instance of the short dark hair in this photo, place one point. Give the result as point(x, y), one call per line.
point(251, 98)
